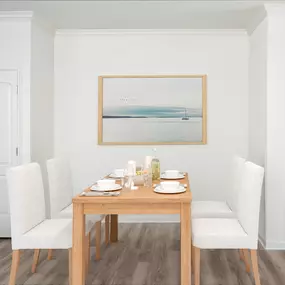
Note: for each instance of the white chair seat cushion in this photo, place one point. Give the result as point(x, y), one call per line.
point(90, 220)
point(67, 212)
point(54, 234)
point(211, 209)
point(219, 234)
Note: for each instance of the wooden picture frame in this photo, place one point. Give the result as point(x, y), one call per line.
point(139, 81)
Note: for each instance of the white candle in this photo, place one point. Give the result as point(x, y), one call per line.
point(147, 162)
point(131, 167)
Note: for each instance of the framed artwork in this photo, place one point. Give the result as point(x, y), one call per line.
point(152, 109)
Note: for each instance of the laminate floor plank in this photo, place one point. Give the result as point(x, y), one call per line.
point(146, 254)
point(139, 276)
point(172, 276)
point(237, 270)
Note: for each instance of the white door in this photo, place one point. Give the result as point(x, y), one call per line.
point(8, 140)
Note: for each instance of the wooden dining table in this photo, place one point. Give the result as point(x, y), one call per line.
point(141, 201)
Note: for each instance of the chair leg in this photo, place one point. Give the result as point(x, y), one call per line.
point(14, 266)
point(70, 265)
point(107, 229)
point(49, 257)
point(241, 257)
point(89, 241)
point(193, 258)
point(87, 253)
point(197, 256)
point(246, 260)
point(98, 240)
point(35, 260)
point(254, 260)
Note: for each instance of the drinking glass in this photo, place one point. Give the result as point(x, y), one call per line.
point(147, 176)
point(124, 179)
point(139, 169)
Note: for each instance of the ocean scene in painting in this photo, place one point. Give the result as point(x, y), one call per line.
point(133, 113)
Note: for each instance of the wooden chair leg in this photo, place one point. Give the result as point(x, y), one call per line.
point(107, 229)
point(35, 260)
point(87, 253)
point(254, 260)
point(197, 253)
point(246, 259)
point(49, 257)
point(89, 241)
point(14, 266)
point(70, 265)
point(241, 257)
point(84, 263)
point(193, 259)
point(98, 240)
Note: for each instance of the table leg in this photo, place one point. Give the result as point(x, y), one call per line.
point(114, 228)
point(185, 248)
point(78, 237)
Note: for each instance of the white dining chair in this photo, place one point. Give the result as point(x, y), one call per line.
point(224, 209)
point(61, 193)
point(221, 209)
point(29, 227)
point(238, 233)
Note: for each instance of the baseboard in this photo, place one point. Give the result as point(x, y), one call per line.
point(262, 242)
point(149, 219)
point(275, 245)
point(151, 32)
point(5, 229)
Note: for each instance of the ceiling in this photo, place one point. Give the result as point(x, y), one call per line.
point(144, 14)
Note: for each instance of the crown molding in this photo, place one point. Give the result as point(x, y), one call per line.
point(83, 32)
point(275, 9)
point(22, 15)
point(256, 19)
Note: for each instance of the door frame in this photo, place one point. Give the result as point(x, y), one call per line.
point(17, 140)
point(11, 79)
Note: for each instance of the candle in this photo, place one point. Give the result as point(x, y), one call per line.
point(131, 167)
point(147, 162)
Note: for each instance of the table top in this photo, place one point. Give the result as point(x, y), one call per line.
point(141, 195)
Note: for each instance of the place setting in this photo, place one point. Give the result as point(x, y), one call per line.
point(108, 186)
point(169, 187)
point(172, 175)
point(104, 188)
point(104, 185)
point(117, 174)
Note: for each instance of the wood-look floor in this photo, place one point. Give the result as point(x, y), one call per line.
point(147, 254)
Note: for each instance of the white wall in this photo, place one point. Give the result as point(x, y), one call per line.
point(42, 88)
point(15, 35)
point(28, 47)
point(267, 120)
point(79, 60)
point(257, 106)
point(275, 153)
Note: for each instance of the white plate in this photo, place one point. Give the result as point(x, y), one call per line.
point(105, 189)
point(180, 189)
point(179, 176)
point(113, 175)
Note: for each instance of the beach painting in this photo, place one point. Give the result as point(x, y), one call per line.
point(154, 109)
